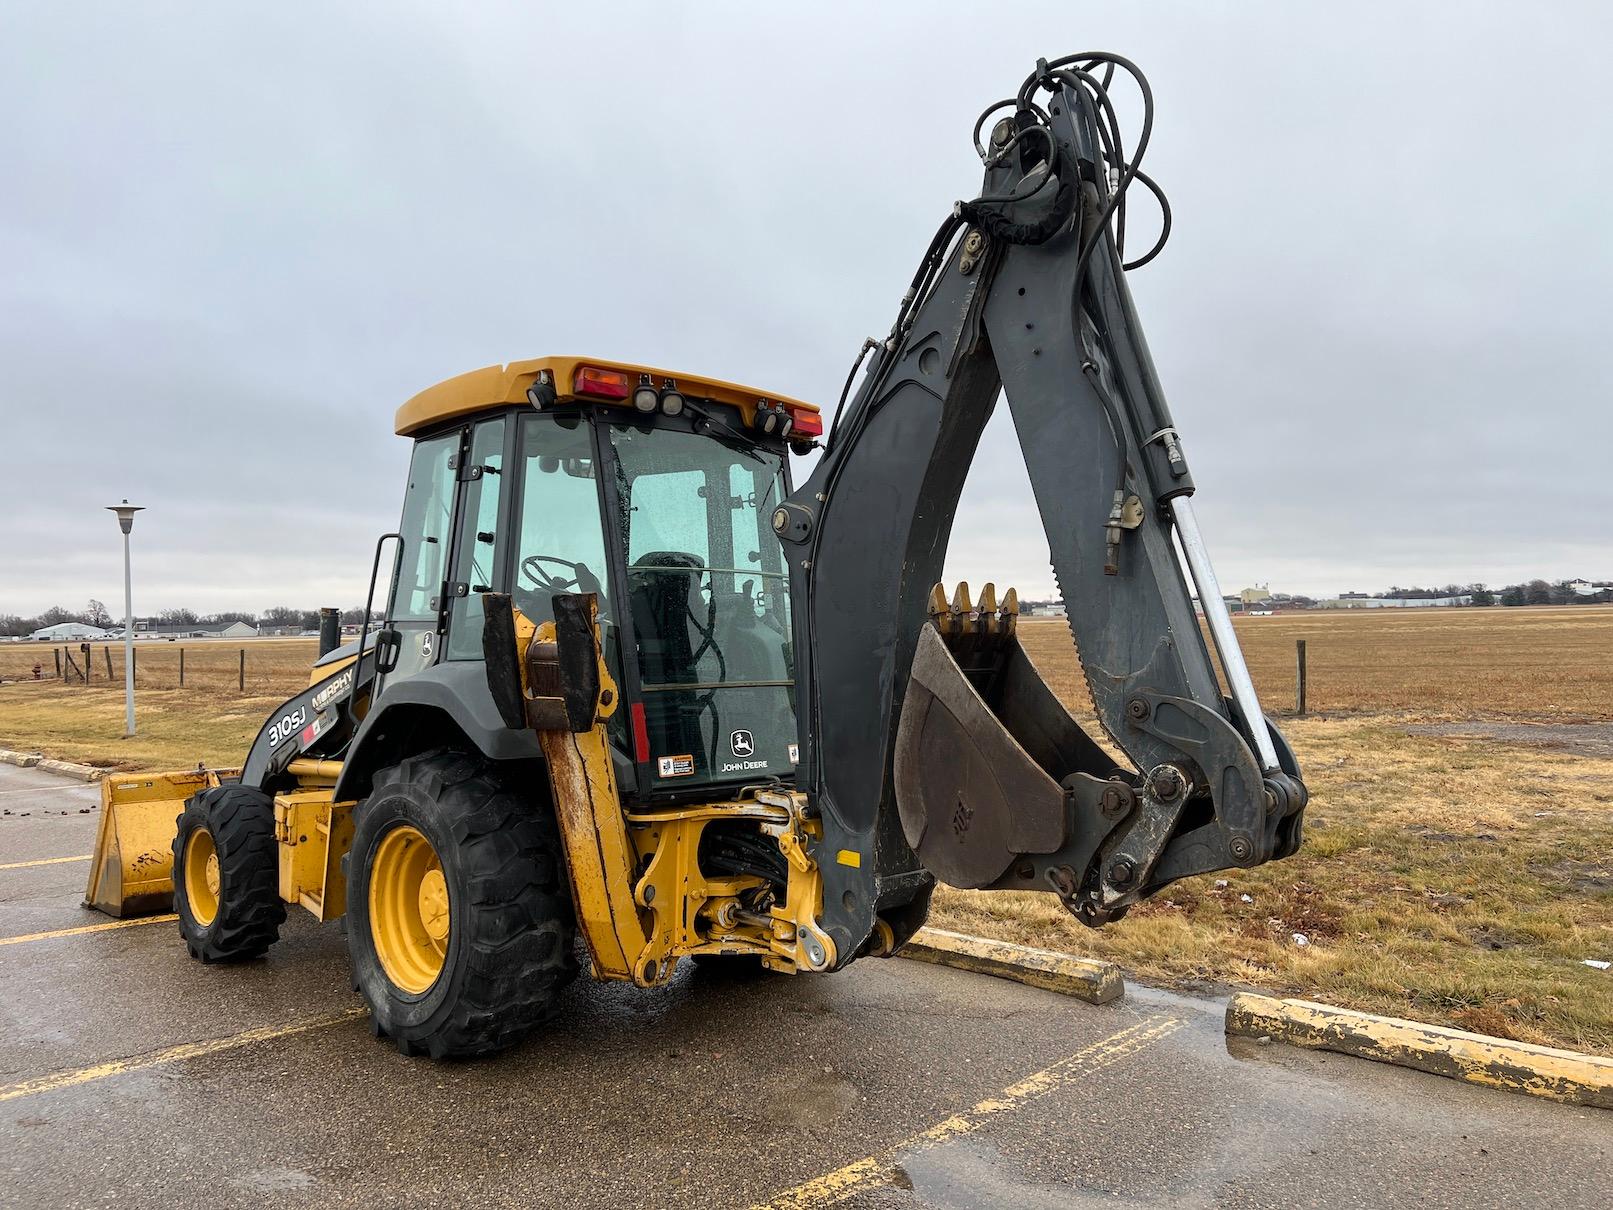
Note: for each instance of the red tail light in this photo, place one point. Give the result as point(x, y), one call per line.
point(808, 423)
point(641, 734)
point(601, 384)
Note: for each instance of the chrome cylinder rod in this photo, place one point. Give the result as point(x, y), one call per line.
point(1226, 640)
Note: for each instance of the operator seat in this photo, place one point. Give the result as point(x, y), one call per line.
point(664, 587)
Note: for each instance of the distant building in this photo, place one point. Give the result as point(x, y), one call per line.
point(1255, 595)
point(73, 632)
point(153, 628)
point(1357, 601)
point(1590, 588)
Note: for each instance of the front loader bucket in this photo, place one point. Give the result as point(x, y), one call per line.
point(132, 868)
point(984, 748)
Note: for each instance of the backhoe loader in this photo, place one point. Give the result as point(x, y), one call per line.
point(632, 682)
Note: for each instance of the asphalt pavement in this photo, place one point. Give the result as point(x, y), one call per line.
point(132, 1076)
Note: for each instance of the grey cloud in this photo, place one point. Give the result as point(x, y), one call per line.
point(231, 244)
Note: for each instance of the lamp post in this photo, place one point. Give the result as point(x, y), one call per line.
point(126, 512)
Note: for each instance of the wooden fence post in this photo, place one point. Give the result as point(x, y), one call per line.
point(240, 677)
point(107, 651)
point(181, 667)
point(57, 652)
point(1299, 676)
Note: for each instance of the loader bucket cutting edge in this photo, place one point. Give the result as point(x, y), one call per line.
point(132, 868)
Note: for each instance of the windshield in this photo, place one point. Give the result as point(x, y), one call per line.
point(710, 604)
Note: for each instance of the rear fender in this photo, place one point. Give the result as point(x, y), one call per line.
point(447, 705)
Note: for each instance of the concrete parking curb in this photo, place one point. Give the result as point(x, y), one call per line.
point(1542, 1071)
point(67, 768)
point(1085, 978)
point(64, 768)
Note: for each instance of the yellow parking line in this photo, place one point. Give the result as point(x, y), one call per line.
point(87, 928)
point(174, 1054)
point(23, 865)
point(878, 1169)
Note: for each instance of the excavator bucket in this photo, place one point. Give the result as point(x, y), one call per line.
point(985, 746)
point(998, 787)
point(132, 868)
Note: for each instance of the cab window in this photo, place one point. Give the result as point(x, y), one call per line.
point(428, 512)
point(561, 542)
point(479, 539)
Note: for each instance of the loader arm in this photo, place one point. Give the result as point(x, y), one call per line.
point(928, 743)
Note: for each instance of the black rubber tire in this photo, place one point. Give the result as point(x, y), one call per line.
point(510, 942)
point(250, 910)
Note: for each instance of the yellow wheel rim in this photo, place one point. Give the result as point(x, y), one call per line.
point(409, 910)
point(201, 876)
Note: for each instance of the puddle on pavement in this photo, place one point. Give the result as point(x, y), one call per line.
point(968, 1174)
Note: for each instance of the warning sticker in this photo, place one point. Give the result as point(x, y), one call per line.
point(795, 754)
point(674, 766)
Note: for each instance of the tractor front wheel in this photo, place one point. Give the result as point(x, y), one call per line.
point(226, 875)
point(460, 922)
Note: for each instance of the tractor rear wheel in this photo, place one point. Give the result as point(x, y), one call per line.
point(460, 922)
point(226, 875)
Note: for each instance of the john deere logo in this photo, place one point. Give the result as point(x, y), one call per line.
point(742, 743)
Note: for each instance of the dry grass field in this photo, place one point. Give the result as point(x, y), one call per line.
point(1538, 664)
point(1449, 877)
point(209, 720)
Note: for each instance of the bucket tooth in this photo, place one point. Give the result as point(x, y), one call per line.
point(939, 614)
point(960, 601)
point(1009, 612)
point(988, 610)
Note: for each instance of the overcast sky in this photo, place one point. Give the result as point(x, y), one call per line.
point(232, 244)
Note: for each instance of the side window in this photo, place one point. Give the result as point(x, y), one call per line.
point(479, 540)
point(428, 511)
point(561, 543)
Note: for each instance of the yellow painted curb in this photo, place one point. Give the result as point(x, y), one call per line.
point(1541, 1071)
point(1086, 979)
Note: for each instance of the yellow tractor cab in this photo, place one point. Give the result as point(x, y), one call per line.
point(651, 490)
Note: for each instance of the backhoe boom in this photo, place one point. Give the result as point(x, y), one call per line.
point(917, 761)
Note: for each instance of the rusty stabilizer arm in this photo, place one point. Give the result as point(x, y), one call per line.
point(929, 743)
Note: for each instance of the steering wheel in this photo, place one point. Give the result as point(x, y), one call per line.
point(543, 581)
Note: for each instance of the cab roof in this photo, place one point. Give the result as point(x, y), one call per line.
point(499, 386)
